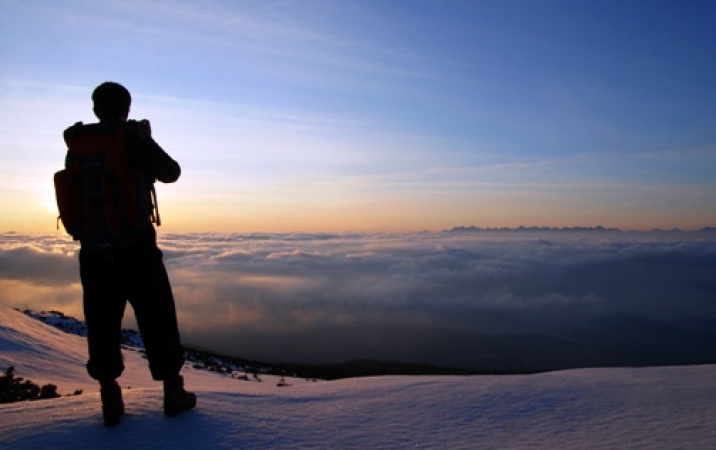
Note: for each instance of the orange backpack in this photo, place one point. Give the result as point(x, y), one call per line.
point(102, 201)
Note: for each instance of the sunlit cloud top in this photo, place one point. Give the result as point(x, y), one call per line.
point(478, 299)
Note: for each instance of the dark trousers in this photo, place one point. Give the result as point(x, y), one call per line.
point(136, 275)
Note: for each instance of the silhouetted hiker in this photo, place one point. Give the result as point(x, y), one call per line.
point(111, 166)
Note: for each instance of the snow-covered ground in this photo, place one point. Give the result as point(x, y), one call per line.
point(664, 408)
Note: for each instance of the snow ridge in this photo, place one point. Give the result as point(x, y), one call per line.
point(644, 408)
point(132, 341)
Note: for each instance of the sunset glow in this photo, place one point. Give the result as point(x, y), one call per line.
point(342, 116)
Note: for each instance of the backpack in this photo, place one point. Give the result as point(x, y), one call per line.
point(103, 203)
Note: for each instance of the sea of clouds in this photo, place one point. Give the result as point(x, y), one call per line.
point(481, 300)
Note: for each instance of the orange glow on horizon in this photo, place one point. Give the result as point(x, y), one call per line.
point(37, 213)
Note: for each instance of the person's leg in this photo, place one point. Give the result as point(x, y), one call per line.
point(153, 302)
point(104, 303)
point(152, 299)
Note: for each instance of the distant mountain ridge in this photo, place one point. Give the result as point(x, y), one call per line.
point(599, 228)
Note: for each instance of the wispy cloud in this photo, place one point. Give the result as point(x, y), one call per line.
point(480, 111)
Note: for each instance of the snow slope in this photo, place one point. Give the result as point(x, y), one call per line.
point(664, 408)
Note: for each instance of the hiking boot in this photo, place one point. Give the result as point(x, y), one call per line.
point(176, 398)
point(112, 404)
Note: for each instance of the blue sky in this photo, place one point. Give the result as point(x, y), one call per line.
point(378, 115)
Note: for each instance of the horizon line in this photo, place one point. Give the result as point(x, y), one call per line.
point(455, 229)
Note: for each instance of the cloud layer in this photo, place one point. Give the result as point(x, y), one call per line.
point(480, 300)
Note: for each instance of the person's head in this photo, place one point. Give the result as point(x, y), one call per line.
point(111, 101)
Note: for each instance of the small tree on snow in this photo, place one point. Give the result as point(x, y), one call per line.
point(16, 389)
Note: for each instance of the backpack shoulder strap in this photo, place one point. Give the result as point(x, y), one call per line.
point(88, 140)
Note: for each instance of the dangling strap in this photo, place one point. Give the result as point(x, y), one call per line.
point(155, 207)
